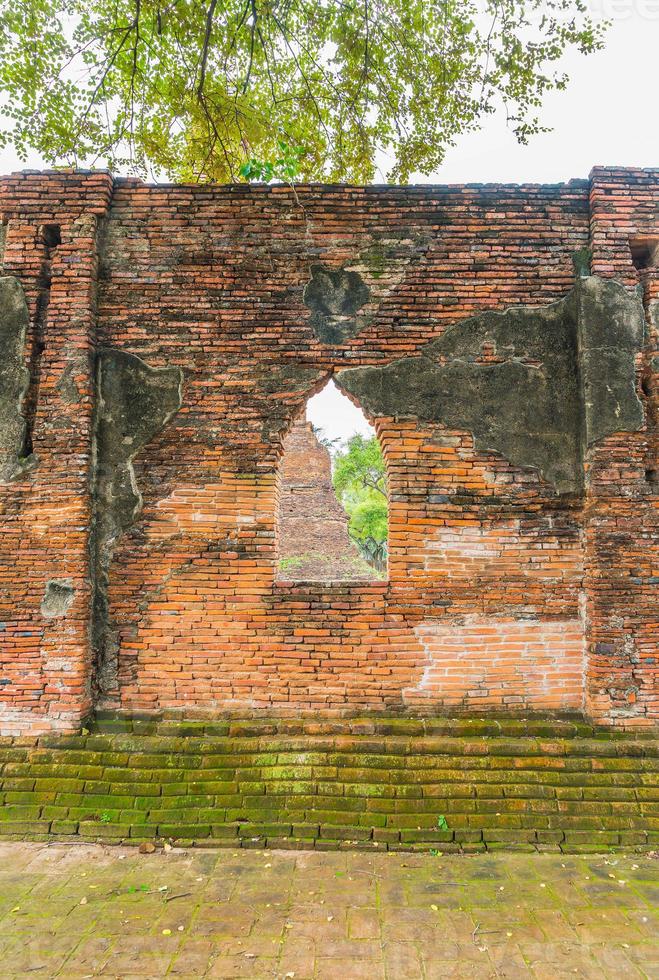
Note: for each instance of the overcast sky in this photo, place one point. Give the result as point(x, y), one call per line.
point(607, 116)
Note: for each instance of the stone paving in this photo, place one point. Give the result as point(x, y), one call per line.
point(81, 911)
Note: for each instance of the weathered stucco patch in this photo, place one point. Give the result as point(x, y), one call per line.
point(334, 297)
point(66, 386)
point(611, 325)
point(536, 384)
point(343, 301)
point(14, 377)
point(501, 662)
point(134, 402)
point(57, 599)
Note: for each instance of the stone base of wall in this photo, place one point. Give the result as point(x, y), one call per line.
point(385, 784)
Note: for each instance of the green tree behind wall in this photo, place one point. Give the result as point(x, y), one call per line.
point(316, 89)
point(360, 482)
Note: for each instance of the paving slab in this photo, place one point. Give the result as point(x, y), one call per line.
point(86, 911)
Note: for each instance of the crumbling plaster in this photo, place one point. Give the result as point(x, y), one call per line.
point(536, 384)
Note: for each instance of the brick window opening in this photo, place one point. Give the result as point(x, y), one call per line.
point(333, 501)
point(645, 253)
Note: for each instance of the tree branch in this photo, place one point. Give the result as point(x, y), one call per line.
point(204, 51)
point(255, 18)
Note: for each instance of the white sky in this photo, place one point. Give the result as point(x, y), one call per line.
point(336, 415)
point(608, 116)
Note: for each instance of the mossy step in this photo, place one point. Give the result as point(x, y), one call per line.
point(321, 836)
point(244, 748)
point(374, 790)
point(538, 726)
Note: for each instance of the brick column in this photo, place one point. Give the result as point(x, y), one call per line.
point(622, 503)
point(52, 223)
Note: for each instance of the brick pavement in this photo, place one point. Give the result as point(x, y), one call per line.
point(92, 911)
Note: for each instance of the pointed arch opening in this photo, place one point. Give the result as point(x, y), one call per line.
point(333, 500)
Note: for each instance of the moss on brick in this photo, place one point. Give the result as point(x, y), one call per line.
point(531, 802)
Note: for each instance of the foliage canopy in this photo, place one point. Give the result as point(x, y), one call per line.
point(207, 89)
point(360, 482)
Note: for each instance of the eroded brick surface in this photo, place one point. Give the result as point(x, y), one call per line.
point(492, 660)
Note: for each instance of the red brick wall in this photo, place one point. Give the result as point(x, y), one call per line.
point(45, 516)
point(547, 602)
point(493, 661)
point(622, 504)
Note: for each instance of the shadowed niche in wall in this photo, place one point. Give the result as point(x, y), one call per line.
point(332, 509)
point(48, 241)
point(539, 385)
point(14, 377)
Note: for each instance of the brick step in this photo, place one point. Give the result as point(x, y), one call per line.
point(333, 790)
point(513, 726)
point(385, 746)
point(636, 774)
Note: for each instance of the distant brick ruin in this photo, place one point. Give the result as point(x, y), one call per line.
point(157, 344)
point(314, 544)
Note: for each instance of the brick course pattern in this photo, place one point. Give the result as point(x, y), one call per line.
point(394, 784)
point(194, 618)
point(492, 660)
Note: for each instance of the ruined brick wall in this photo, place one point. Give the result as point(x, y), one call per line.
point(521, 449)
point(621, 535)
point(313, 543)
point(50, 253)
